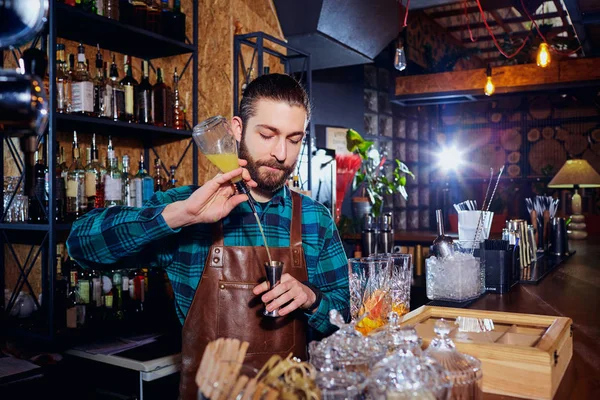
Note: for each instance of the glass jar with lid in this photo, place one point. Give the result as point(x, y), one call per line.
point(464, 371)
point(346, 350)
point(398, 339)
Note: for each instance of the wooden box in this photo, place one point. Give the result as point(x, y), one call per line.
point(524, 356)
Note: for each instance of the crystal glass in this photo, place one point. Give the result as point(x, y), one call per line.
point(370, 292)
point(401, 278)
point(340, 385)
point(396, 339)
point(406, 377)
point(460, 277)
point(463, 370)
point(345, 350)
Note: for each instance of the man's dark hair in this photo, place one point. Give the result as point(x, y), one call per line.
point(275, 87)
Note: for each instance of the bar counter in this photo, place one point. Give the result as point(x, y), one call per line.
point(572, 290)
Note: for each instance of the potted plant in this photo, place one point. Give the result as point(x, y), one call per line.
point(370, 183)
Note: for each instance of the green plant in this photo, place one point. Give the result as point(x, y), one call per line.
point(369, 179)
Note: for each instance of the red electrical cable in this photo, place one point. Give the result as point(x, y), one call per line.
point(542, 35)
point(405, 12)
point(494, 37)
point(467, 19)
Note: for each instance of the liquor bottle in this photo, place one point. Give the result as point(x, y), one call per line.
point(128, 194)
point(177, 23)
point(113, 183)
point(161, 104)
point(129, 86)
point(63, 87)
point(144, 185)
point(117, 280)
point(94, 175)
point(99, 87)
point(125, 298)
point(117, 94)
point(72, 320)
point(140, 13)
point(38, 203)
point(108, 294)
point(172, 182)
point(178, 117)
point(144, 97)
point(100, 7)
point(159, 180)
point(107, 111)
point(88, 5)
point(59, 185)
point(61, 289)
point(82, 87)
point(153, 19)
point(64, 168)
point(76, 200)
point(111, 9)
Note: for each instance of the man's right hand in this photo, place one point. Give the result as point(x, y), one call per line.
point(209, 203)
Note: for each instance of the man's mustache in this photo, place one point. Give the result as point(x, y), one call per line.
point(271, 165)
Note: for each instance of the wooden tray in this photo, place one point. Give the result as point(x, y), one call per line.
point(525, 355)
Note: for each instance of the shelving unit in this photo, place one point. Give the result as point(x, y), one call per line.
point(74, 24)
point(295, 62)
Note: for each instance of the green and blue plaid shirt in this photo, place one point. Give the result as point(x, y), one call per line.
point(135, 237)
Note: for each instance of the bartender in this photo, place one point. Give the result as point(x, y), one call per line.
point(208, 241)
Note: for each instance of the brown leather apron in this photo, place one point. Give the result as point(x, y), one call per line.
point(224, 305)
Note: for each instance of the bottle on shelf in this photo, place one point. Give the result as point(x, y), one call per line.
point(139, 13)
point(144, 185)
point(113, 183)
point(117, 280)
point(153, 19)
point(94, 175)
point(128, 193)
point(144, 97)
point(177, 22)
point(82, 87)
point(129, 86)
point(76, 200)
point(61, 289)
point(172, 182)
point(100, 87)
point(59, 182)
point(161, 103)
point(111, 9)
point(73, 321)
point(38, 203)
point(116, 93)
point(64, 167)
point(178, 115)
point(63, 86)
point(108, 293)
point(159, 180)
point(87, 5)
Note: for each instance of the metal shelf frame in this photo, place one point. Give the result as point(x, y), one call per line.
point(43, 237)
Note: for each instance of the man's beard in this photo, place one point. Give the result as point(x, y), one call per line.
point(267, 181)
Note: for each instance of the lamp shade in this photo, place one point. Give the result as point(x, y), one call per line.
point(575, 173)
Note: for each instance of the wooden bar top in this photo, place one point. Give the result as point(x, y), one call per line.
point(571, 290)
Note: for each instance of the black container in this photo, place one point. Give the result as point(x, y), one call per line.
point(499, 260)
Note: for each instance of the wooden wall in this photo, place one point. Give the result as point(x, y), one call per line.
point(217, 24)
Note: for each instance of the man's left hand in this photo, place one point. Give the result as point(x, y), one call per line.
point(289, 289)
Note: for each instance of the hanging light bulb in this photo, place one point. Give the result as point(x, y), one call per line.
point(489, 87)
point(400, 58)
point(543, 55)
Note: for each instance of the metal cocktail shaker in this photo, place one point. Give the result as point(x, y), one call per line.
point(386, 234)
point(370, 236)
point(559, 243)
point(274, 270)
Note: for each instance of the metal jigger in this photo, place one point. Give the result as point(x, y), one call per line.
point(273, 269)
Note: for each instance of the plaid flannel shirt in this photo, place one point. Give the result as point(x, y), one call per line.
point(135, 237)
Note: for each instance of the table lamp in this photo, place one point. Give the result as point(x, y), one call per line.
point(576, 174)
